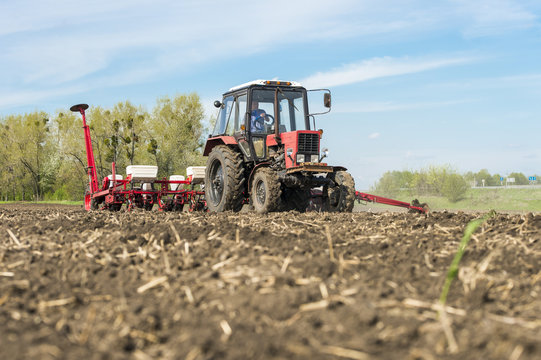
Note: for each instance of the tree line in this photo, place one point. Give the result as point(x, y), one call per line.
point(441, 181)
point(43, 156)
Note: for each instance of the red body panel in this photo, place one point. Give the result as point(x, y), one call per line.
point(271, 140)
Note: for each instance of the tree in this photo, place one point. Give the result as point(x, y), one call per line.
point(71, 180)
point(31, 141)
point(496, 180)
point(176, 129)
point(393, 181)
point(481, 175)
point(520, 178)
point(454, 187)
point(130, 131)
point(11, 173)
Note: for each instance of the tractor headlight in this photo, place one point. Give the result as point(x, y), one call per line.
point(314, 158)
point(300, 158)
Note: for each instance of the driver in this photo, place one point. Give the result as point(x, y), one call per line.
point(258, 118)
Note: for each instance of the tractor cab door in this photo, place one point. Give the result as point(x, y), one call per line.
point(260, 123)
point(231, 121)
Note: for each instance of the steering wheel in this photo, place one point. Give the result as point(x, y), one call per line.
point(269, 119)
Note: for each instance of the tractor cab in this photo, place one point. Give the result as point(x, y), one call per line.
point(263, 116)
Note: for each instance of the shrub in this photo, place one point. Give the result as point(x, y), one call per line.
point(454, 187)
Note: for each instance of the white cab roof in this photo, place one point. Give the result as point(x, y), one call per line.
point(263, 82)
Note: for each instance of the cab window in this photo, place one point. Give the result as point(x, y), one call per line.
point(240, 113)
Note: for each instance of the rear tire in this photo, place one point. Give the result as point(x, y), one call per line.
point(224, 180)
point(341, 198)
point(266, 192)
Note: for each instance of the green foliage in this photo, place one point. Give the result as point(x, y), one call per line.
point(454, 187)
point(440, 181)
point(520, 178)
point(390, 183)
point(434, 180)
point(26, 156)
point(176, 128)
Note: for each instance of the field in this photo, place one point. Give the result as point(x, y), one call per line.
point(146, 285)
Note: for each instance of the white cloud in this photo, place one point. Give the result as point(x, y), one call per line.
point(377, 68)
point(374, 135)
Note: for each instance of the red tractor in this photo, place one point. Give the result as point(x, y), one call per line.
point(265, 151)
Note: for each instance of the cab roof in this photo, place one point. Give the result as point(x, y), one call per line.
point(266, 83)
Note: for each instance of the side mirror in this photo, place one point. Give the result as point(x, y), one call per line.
point(327, 100)
point(218, 104)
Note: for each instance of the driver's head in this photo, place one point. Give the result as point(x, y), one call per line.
point(255, 105)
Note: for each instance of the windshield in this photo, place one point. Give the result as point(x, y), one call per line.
point(290, 106)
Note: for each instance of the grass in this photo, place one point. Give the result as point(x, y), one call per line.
point(504, 199)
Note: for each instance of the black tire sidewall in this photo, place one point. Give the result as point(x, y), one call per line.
point(231, 187)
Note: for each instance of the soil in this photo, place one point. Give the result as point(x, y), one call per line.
point(146, 285)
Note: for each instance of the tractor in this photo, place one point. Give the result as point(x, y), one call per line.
point(265, 151)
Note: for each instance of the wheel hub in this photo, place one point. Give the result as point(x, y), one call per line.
point(261, 192)
point(216, 185)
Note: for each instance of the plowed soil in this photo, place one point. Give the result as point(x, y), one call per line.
point(146, 285)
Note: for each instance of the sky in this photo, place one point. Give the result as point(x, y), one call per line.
point(414, 83)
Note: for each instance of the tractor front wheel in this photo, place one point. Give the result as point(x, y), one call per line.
point(341, 197)
point(224, 180)
point(265, 196)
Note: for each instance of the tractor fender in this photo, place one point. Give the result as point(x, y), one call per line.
point(219, 140)
point(263, 164)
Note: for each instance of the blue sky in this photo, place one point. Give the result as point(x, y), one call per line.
point(414, 83)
